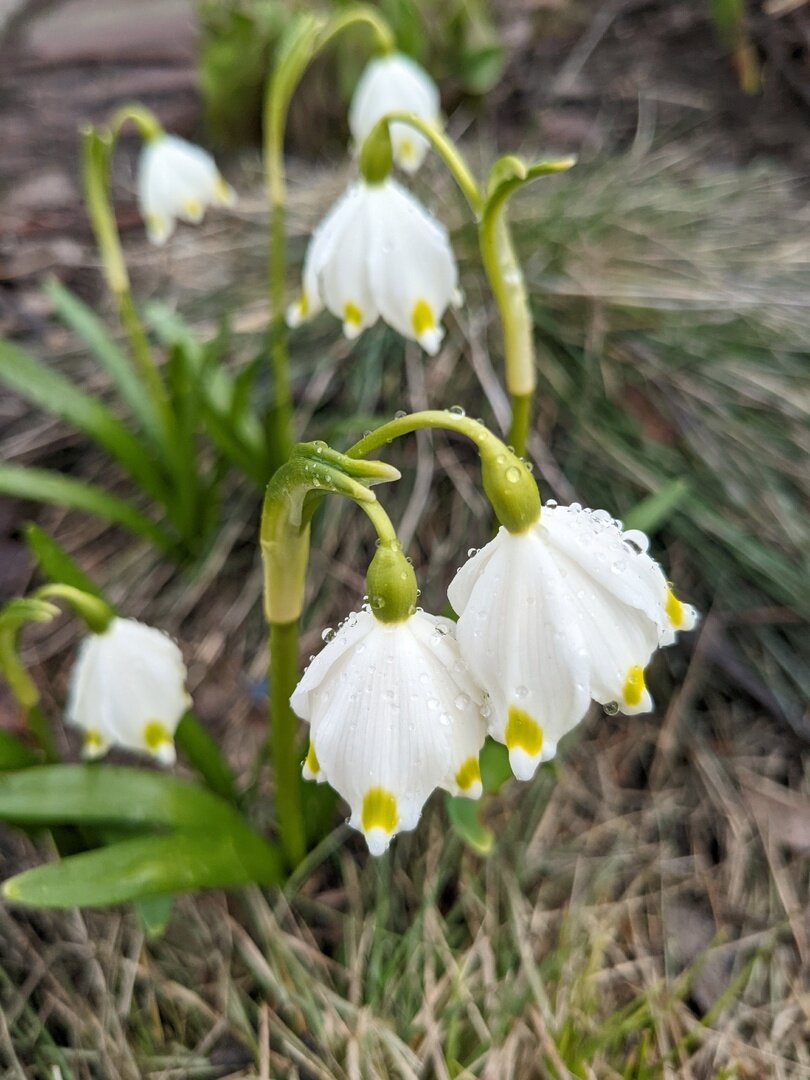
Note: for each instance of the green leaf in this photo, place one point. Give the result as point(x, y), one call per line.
point(654, 511)
point(55, 563)
point(115, 362)
point(201, 751)
point(109, 794)
point(153, 914)
point(15, 754)
point(464, 817)
point(37, 383)
point(495, 767)
point(42, 485)
point(146, 866)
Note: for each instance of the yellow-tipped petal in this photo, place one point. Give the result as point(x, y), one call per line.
point(379, 810)
point(523, 732)
point(634, 686)
point(468, 776)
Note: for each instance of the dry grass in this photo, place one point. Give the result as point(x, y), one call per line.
point(645, 916)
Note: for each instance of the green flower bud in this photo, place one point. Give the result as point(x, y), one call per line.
point(510, 487)
point(377, 154)
point(391, 584)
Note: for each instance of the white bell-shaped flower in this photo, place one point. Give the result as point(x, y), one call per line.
point(128, 688)
point(568, 611)
point(378, 252)
point(393, 714)
point(177, 179)
point(395, 83)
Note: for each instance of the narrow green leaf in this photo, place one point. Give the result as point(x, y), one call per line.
point(201, 751)
point(37, 383)
point(42, 485)
point(464, 817)
point(651, 513)
point(55, 563)
point(146, 866)
point(495, 767)
point(80, 318)
point(111, 794)
point(15, 754)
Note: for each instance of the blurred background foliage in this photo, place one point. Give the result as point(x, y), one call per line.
point(456, 41)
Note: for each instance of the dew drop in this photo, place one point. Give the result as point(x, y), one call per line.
point(462, 701)
point(457, 410)
point(611, 708)
point(513, 474)
point(327, 634)
point(551, 504)
point(400, 414)
point(521, 691)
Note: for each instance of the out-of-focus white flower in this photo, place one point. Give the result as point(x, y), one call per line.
point(177, 179)
point(395, 83)
point(570, 610)
point(378, 252)
point(128, 688)
point(393, 714)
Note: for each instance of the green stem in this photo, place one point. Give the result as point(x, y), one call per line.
point(308, 36)
point(97, 152)
point(509, 289)
point(41, 730)
point(284, 750)
point(444, 147)
point(420, 421)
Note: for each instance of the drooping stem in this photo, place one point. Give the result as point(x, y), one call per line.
point(444, 147)
point(508, 482)
point(97, 149)
point(307, 37)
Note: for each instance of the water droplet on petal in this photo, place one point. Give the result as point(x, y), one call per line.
point(611, 708)
point(457, 410)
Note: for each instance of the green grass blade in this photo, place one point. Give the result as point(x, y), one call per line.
point(86, 324)
point(55, 563)
point(146, 865)
point(15, 754)
point(109, 794)
point(37, 383)
point(42, 485)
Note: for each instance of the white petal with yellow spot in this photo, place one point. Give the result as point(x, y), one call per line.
point(569, 611)
point(177, 180)
point(378, 252)
point(393, 714)
point(128, 689)
point(395, 83)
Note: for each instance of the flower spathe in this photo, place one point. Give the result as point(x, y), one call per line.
point(395, 83)
point(568, 611)
point(128, 689)
point(378, 252)
point(177, 180)
point(393, 714)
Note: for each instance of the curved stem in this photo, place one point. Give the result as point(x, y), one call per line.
point(444, 147)
point(382, 523)
point(97, 149)
point(419, 421)
point(308, 37)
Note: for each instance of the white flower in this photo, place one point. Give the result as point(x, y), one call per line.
point(177, 179)
point(128, 689)
point(570, 610)
point(393, 714)
point(378, 252)
point(395, 83)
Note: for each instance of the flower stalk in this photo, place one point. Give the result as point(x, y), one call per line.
point(308, 36)
point(97, 150)
point(292, 496)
